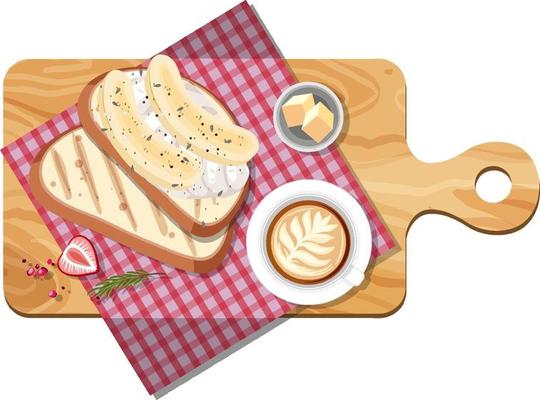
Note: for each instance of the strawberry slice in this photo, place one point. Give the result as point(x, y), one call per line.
point(78, 258)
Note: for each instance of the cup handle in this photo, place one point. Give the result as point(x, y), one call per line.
point(355, 276)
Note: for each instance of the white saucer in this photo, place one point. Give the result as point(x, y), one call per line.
point(350, 275)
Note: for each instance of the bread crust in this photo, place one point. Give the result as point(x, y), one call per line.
point(160, 253)
point(161, 199)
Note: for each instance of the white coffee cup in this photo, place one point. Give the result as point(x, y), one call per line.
point(351, 272)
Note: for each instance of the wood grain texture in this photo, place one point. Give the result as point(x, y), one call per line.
point(373, 142)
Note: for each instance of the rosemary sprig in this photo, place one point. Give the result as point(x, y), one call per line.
point(115, 282)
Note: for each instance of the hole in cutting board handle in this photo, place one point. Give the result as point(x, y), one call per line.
point(493, 184)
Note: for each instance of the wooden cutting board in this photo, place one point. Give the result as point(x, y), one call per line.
point(373, 142)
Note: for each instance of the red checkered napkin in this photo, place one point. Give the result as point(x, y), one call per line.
point(169, 326)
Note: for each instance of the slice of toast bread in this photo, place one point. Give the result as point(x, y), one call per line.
point(199, 216)
point(73, 178)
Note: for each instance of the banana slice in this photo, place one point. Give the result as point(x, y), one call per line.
point(151, 154)
point(207, 136)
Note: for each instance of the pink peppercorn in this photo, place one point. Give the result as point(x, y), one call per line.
point(42, 271)
point(30, 271)
point(49, 261)
point(53, 294)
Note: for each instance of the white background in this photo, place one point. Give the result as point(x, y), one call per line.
point(470, 325)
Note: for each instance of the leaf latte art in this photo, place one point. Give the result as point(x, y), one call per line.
point(308, 242)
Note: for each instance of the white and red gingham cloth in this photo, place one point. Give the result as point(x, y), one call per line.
point(169, 326)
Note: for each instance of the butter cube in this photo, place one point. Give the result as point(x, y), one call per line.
point(294, 110)
point(318, 122)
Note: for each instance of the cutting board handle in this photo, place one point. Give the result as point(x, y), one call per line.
point(452, 188)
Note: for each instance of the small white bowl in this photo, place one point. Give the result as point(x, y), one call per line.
point(352, 272)
point(294, 137)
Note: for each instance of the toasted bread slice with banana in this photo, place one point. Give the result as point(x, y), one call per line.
point(174, 139)
point(73, 178)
